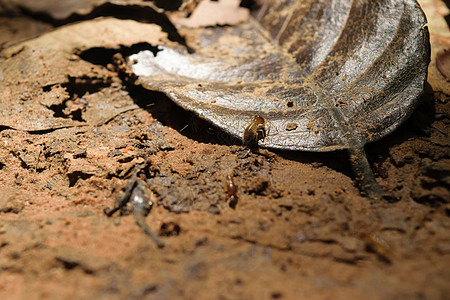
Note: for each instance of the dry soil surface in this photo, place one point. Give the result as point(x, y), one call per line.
point(300, 228)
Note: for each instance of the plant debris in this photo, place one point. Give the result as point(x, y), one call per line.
point(212, 13)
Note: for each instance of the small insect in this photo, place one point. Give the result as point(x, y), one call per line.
point(376, 244)
point(255, 131)
point(231, 188)
point(137, 195)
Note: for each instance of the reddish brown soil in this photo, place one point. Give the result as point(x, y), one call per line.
point(300, 229)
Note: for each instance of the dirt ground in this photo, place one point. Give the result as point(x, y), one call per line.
point(300, 228)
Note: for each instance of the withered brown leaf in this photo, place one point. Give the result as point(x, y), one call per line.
point(37, 75)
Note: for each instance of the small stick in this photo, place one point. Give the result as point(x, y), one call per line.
point(140, 221)
point(136, 194)
point(364, 175)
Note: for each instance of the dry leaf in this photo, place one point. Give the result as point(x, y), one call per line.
point(212, 13)
point(39, 76)
point(62, 10)
point(342, 73)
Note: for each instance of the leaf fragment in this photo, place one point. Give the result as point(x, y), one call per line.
point(36, 78)
point(212, 13)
